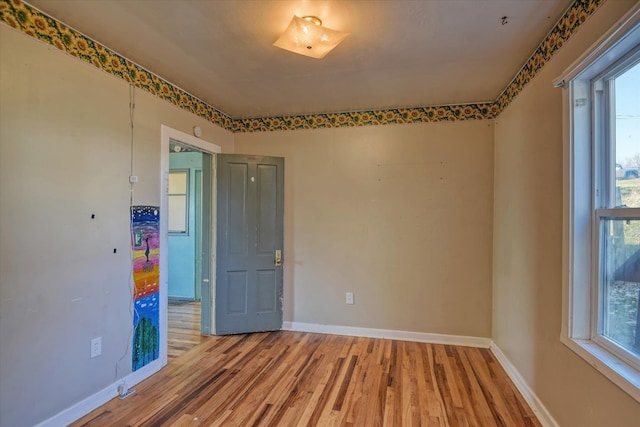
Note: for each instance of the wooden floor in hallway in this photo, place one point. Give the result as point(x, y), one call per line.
point(184, 327)
point(289, 378)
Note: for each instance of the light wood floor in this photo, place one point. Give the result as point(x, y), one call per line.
point(184, 327)
point(304, 379)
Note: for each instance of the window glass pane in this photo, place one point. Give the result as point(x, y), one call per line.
point(621, 282)
point(627, 143)
point(177, 214)
point(178, 182)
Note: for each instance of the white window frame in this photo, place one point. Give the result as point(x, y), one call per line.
point(605, 208)
point(581, 220)
point(185, 227)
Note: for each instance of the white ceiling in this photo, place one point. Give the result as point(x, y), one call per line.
point(400, 53)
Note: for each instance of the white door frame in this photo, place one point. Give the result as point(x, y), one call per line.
point(166, 135)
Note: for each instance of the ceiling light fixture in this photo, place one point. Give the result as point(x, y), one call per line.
point(306, 36)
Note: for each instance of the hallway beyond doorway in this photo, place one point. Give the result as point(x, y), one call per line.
point(184, 327)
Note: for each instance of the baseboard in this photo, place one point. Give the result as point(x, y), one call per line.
point(82, 408)
point(389, 334)
point(545, 418)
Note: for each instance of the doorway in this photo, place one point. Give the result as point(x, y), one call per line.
point(189, 224)
point(186, 230)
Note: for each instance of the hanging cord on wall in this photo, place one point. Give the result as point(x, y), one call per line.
point(132, 106)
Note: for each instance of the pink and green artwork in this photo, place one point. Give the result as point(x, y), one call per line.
point(145, 242)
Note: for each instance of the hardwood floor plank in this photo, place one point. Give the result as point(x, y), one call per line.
point(304, 379)
point(184, 327)
point(314, 400)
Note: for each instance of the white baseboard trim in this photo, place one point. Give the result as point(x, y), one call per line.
point(388, 334)
point(545, 418)
point(82, 408)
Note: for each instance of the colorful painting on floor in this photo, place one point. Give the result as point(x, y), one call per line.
point(145, 242)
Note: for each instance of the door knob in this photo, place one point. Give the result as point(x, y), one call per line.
point(278, 260)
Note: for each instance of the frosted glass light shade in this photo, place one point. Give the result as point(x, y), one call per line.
point(306, 38)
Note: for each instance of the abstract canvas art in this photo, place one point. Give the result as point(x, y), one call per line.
point(145, 242)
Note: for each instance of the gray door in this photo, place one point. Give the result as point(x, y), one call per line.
point(250, 206)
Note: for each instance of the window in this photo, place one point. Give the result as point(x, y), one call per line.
point(601, 321)
point(178, 201)
point(616, 225)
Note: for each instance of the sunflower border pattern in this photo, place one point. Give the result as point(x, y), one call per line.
point(29, 20)
point(369, 118)
point(567, 26)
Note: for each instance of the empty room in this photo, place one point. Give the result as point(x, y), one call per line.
point(327, 212)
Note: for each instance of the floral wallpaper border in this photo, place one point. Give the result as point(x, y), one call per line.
point(568, 25)
point(34, 23)
point(369, 118)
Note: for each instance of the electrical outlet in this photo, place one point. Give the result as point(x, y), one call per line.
point(96, 347)
point(349, 298)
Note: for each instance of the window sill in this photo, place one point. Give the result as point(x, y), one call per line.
point(612, 367)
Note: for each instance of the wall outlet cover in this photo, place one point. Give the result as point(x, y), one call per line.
point(96, 347)
point(349, 298)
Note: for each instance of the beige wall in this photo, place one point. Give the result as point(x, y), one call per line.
point(400, 215)
point(64, 155)
point(527, 292)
